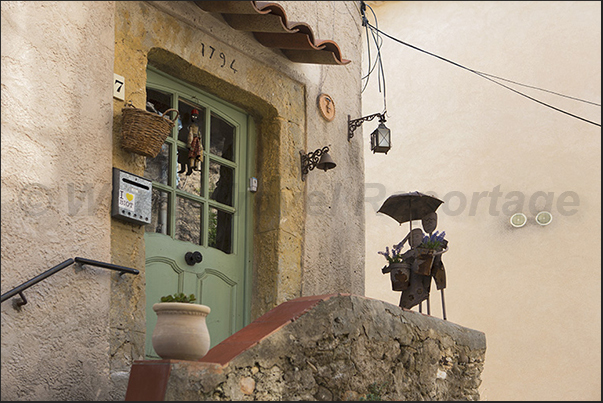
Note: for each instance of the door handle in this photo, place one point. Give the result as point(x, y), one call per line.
point(192, 258)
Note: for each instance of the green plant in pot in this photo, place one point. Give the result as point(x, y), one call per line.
point(179, 297)
point(434, 241)
point(181, 331)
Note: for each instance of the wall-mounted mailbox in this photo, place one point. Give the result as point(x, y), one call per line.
point(132, 197)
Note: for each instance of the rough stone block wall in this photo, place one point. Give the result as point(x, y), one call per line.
point(345, 347)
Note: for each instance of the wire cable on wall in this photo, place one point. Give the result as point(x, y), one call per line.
point(375, 32)
point(378, 61)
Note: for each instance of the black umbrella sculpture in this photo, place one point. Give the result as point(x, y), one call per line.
point(406, 207)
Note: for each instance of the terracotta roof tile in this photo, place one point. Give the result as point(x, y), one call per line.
point(268, 23)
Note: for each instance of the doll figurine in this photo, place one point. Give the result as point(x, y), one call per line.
point(192, 162)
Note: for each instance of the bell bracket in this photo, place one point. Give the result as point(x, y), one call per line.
point(310, 160)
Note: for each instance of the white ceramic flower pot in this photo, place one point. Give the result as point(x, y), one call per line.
point(181, 331)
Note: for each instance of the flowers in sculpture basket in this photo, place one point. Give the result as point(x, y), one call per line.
point(395, 256)
point(434, 242)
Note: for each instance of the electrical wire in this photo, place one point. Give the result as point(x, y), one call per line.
point(539, 89)
point(371, 65)
point(378, 59)
point(368, 43)
point(376, 31)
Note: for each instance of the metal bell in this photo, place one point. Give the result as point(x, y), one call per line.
point(326, 162)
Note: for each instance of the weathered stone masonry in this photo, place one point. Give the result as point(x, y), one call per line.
point(332, 347)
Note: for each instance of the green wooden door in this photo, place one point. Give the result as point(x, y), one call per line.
point(200, 208)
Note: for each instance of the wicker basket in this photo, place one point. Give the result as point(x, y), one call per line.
point(144, 132)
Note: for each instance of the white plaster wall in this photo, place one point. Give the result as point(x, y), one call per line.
point(535, 291)
point(57, 72)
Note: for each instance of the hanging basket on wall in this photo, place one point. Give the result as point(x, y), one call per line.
point(144, 132)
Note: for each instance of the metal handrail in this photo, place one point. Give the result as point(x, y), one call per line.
point(19, 290)
point(110, 266)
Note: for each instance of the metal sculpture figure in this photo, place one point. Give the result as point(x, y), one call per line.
point(411, 271)
point(420, 280)
point(419, 265)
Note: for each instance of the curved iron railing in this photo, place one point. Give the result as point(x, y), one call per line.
point(19, 290)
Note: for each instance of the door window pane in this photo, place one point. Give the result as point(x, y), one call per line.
point(192, 183)
point(222, 136)
point(158, 101)
point(220, 230)
point(159, 213)
point(157, 168)
point(189, 215)
point(221, 182)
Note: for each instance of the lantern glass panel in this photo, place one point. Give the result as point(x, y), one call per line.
point(381, 139)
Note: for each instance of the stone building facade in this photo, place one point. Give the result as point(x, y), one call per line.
point(68, 70)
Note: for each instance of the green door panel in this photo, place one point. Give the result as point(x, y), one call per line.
point(222, 291)
point(168, 273)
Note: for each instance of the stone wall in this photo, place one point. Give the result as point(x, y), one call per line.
point(334, 347)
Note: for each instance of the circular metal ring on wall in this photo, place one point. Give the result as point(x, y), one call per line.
point(544, 218)
point(518, 220)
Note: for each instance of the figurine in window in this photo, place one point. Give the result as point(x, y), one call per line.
point(194, 146)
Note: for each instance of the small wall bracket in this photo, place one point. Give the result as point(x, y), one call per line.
point(356, 123)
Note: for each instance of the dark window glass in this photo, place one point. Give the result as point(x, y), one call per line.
point(158, 101)
point(157, 168)
point(222, 138)
point(220, 230)
point(221, 182)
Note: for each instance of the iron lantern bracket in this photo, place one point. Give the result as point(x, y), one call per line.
point(309, 161)
point(356, 123)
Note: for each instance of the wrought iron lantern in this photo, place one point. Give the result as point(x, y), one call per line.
point(380, 138)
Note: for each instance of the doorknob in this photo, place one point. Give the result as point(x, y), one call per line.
point(193, 258)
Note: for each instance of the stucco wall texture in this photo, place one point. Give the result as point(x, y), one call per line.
point(57, 61)
point(334, 211)
point(535, 291)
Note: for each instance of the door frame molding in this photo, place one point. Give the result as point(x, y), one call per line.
point(276, 104)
